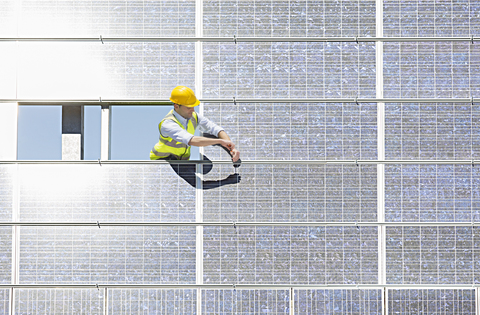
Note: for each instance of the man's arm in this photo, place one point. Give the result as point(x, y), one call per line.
point(204, 141)
point(223, 139)
point(234, 152)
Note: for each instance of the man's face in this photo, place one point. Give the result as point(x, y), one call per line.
point(184, 111)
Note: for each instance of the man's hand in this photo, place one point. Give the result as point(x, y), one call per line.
point(227, 144)
point(235, 155)
point(231, 147)
point(222, 140)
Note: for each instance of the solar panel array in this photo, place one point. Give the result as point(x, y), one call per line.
point(59, 301)
point(310, 224)
point(449, 301)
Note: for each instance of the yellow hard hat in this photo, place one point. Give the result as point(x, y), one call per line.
point(183, 95)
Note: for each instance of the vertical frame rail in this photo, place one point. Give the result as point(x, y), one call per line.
point(15, 260)
point(385, 300)
point(105, 133)
point(477, 298)
point(380, 152)
point(199, 167)
point(292, 301)
point(105, 301)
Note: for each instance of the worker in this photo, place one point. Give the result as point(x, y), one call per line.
point(177, 136)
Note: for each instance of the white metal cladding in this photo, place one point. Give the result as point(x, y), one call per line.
point(303, 80)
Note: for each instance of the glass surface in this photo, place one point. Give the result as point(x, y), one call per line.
point(89, 71)
point(5, 255)
point(8, 25)
point(430, 18)
point(338, 302)
point(59, 301)
point(279, 131)
point(7, 175)
point(104, 193)
point(71, 18)
point(8, 68)
point(431, 70)
point(289, 70)
point(39, 133)
point(152, 301)
point(290, 255)
point(432, 193)
point(134, 130)
point(155, 193)
point(299, 193)
point(432, 131)
point(283, 18)
point(108, 255)
point(231, 302)
point(5, 301)
point(446, 301)
point(92, 132)
point(432, 255)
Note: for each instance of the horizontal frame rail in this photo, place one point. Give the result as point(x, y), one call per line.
point(239, 224)
point(252, 162)
point(241, 286)
point(164, 102)
point(235, 39)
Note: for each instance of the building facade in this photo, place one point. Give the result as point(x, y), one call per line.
point(358, 123)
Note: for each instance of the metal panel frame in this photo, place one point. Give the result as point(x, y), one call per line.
point(199, 168)
point(233, 100)
point(235, 39)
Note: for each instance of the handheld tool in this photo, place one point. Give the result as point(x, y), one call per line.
point(236, 164)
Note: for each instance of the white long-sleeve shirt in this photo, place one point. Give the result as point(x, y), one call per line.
point(173, 130)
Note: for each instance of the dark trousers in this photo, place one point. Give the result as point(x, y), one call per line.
point(188, 171)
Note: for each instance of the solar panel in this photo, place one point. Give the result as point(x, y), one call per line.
point(409, 223)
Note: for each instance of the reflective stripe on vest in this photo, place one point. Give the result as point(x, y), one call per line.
point(159, 155)
point(167, 147)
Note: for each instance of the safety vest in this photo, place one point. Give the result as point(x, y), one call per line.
point(169, 148)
